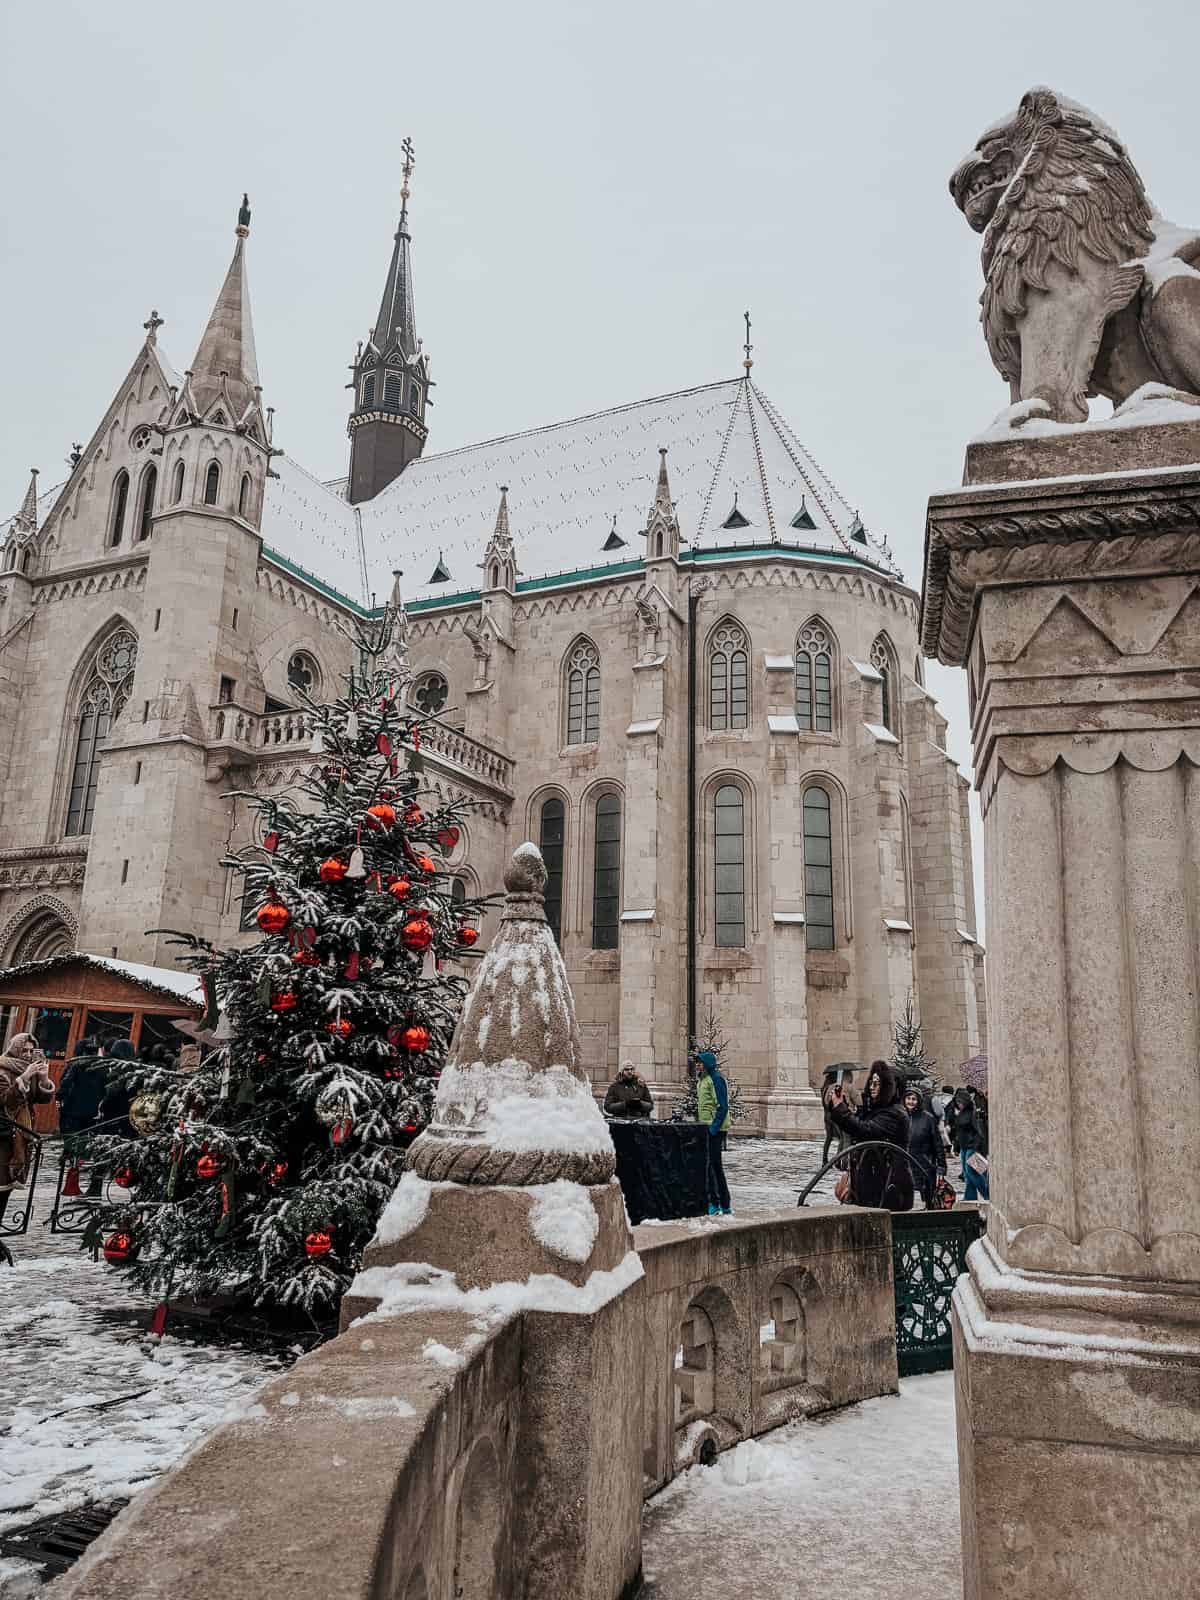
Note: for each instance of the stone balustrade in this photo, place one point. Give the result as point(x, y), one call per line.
point(429, 1456)
point(265, 734)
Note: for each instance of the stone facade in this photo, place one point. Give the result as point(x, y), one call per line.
point(232, 585)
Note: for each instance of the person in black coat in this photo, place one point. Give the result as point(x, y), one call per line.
point(877, 1177)
point(967, 1138)
point(925, 1146)
point(81, 1089)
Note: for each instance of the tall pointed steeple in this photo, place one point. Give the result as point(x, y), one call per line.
point(662, 525)
point(391, 381)
point(225, 366)
point(26, 519)
point(500, 556)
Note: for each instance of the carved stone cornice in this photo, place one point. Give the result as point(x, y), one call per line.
point(1124, 525)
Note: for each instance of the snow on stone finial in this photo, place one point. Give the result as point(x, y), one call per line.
point(514, 1105)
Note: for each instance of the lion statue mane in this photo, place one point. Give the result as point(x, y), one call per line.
point(1087, 289)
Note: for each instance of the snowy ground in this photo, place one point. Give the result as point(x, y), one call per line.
point(862, 1502)
point(70, 1346)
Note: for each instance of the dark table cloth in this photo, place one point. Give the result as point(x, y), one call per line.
point(661, 1167)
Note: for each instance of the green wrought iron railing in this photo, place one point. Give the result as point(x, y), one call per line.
point(929, 1251)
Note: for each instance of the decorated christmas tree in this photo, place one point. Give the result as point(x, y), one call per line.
point(910, 1058)
point(264, 1172)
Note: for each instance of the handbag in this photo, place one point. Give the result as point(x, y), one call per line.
point(841, 1189)
point(943, 1194)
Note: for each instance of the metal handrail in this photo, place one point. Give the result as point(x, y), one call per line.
point(15, 1223)
point(865, 1144)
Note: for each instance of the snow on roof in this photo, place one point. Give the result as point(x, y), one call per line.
point(727, 446)
point(166, 980)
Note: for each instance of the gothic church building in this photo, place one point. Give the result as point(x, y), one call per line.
point(657, 640)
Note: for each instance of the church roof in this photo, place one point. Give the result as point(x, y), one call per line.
point(739, 475)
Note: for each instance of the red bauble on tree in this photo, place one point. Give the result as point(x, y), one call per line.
point(276, 1173)
point(381, 815)
point(417, 934)
point(448, 837)
point(399, 888)
point(415, 1038)
point(341, 1027)
point(273, 917)
point(123, 1177)
point(426, 864)
point(332, 871)
point(413, 816)
point(467, 934)
point(285, 1000)
point(318, 1244)
point(306, 958)
point(120, 1248)
point(207, 1166)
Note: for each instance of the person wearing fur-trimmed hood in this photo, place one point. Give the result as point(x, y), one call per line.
point(24, 1083)
point(877, 1177)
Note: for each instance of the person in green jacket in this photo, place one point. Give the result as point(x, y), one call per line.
point(712, 1108)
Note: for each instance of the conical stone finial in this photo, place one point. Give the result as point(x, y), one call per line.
point(27, 516)
point(514, 1105)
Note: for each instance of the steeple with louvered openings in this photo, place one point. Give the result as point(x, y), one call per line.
point(500, 557)
point(222, 384)
point(662, 525)
point(391, 379)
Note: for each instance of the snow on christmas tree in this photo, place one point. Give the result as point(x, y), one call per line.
point(264, 1172)
point(910, 1059)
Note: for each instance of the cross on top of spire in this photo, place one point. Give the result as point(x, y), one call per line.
point(405, 191)
point(747, 347)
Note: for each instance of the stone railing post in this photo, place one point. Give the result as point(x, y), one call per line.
point(1065, 578)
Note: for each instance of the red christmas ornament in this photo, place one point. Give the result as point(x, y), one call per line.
point(381, 815)
point(119, 1248)
point(382, 743)
point(342, 1026)
point(332, 871)
point(285, 1000)
point(425, 864)
point(415, 1038)
point(448, 837)
point(318, 1244)
point(414, 816)
point(417, 934)
point(271, 842)
point(399, 887)
point(71, 1185)
point(123, 1177)
point(273, 917)
point(277, 1173)
point(207, 1166)
point(352, 964)
point(342, 1130)
point(306, 958)
point(467, 934)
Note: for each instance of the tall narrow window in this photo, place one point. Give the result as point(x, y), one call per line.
point(884, 662)
point(244, 496)
point(120, 504)
point(728, 679)
point(818, 869)
point(814, 678)
point(146, 515)
point(552, 833)
point(212, 484)
point(368, 391)
point(177, 484)
point(729, 868)
point(606, 875)
point(104, 695)
point(583, 694)
point(391, 391)
point(414, 400)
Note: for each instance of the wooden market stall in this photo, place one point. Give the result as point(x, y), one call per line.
point(70, 997)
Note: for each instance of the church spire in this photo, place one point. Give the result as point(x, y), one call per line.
point(225, 364)
point(662, 525)
point(391, 381)
point(26, 518)
point(500, 556)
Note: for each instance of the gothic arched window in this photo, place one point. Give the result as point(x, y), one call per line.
point(391, 391)
point(104, 695)
point(728, 679)
point(431, 693)
point(883, 659)
point(120, 502)
point(818, 868)
point(729, 866)
point(303, 674)
point(583, 694)
point(244, 496)
point(606, 874)
point(814, 678)
point(146, 514)
point(552, 833)
point(212, 484)
point(177, 484)
point(368, 391)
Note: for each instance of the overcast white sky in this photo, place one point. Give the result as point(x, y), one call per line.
point(601, 190)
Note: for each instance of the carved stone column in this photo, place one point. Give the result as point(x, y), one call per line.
point(1073, 603)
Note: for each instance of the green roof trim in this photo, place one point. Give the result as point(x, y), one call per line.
point(316, 583)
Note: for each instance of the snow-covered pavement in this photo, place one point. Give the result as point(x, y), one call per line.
point(90, 1408)
point(863, 1501)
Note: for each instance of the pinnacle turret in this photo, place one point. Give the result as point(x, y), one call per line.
point(662, 525)
point(225, 365)
point(500, 556)
point(26, 518)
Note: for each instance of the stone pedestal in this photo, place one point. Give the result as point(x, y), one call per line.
point(1073, 601)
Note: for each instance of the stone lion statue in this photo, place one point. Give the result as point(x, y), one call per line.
point(1087, 289)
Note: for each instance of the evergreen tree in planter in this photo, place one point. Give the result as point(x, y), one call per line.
point(265, 1171)
point(712, 1037)
point(910, 1059)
